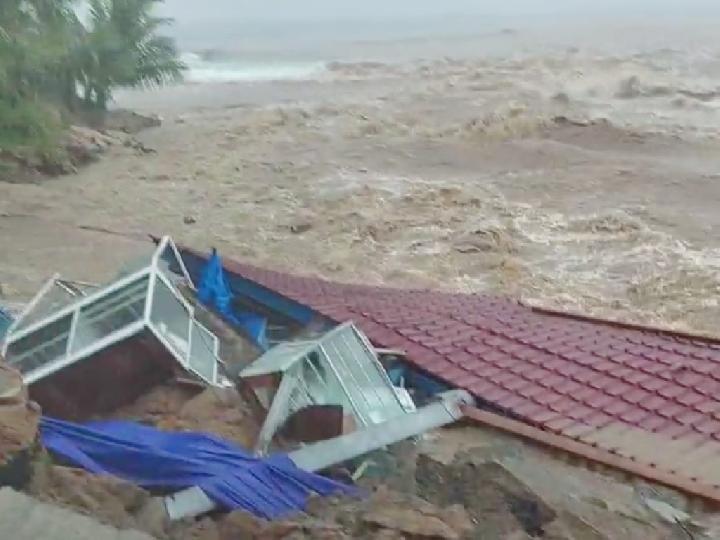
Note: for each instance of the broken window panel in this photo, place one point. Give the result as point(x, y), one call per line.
point(171, 318)
point(51, 298)
point(139, 323)
point(112, 313)
point(44, 346)
point(203, 352)
point(168, 261)
point(340, 368)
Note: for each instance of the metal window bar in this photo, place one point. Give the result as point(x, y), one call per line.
point(322, 383)
point(373, 363)
point(275, 416)
point(351, 338)
point(40, 346)
point(346, 353)
point(49, 368)
point(305, 387)
point(378, 369)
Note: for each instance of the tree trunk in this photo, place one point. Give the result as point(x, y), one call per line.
point(87, 96)
point(102, 96)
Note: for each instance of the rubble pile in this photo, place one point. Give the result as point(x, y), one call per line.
point(183, 407)
point(384, 514)
point(109, 500)
point(19, 419)
point(244, 384)
point(18, 416)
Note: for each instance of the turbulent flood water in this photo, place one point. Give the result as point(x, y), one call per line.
point(571, 165)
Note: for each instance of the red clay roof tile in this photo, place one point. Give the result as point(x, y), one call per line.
point(560, 372)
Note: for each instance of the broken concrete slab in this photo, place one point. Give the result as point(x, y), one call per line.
point(445, 410)
point(411, 522)
point(456, 465)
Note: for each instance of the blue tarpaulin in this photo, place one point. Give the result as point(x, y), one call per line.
point(270, 488)
point(6, 321)
point(215, 292)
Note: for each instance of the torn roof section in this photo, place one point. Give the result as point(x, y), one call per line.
point(626, 389)
point(137, 331)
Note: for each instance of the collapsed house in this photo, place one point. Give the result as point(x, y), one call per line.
point(336, 371)
point(609, 392)
point(85, 351)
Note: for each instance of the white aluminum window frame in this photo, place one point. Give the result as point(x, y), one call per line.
point(352, 389)
point(152, 273)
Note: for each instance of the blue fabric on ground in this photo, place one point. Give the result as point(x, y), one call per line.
point(6, 321)
point(215, 292)
point(270, 488)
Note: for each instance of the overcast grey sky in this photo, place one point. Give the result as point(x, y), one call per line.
point(186, 10)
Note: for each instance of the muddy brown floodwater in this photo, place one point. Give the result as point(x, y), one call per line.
point(572, 178)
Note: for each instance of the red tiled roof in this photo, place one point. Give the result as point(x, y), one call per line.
point(642, 393)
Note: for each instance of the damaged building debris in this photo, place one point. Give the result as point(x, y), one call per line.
point(125, 336)
point(338, 372)
point(192, 397)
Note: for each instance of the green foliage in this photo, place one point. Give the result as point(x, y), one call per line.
point(29, 133)
point(26, 123)
point(48, 57)
point(124, 49)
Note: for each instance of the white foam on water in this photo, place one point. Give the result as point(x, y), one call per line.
point(232, 70)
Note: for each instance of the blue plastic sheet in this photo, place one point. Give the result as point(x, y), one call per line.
point(215, 292)
point(270, 488)
point(6, 321)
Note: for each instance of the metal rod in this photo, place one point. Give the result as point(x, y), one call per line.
point(321, 455)
point(318, 456)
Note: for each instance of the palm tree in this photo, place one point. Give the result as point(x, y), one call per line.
point(35, 36)
point(33, 39)
point(124, 49)
point(47, 56)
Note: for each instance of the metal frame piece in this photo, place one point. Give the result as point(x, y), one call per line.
point(39, 344)
point(339, 368)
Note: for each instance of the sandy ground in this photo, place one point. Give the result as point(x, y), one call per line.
point(576, 180)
